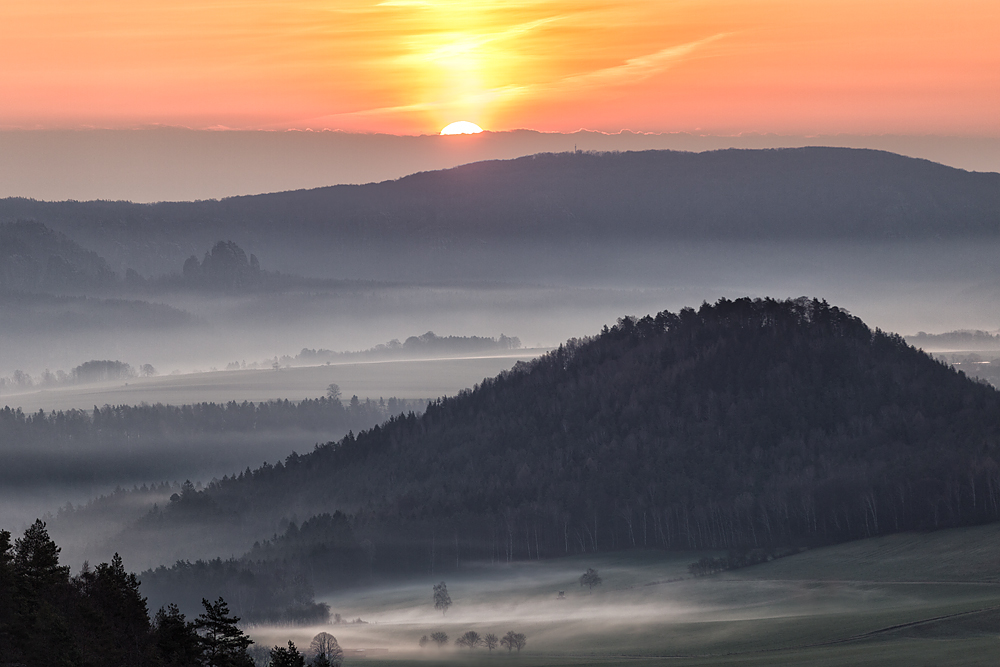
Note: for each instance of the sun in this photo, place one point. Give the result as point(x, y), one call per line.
point(462, 127)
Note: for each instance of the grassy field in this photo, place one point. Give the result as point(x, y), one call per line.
point(912, 599)
point(430, 378)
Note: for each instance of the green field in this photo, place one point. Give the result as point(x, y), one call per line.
point(911, 599)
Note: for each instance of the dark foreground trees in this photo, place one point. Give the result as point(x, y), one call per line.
point(98, 618)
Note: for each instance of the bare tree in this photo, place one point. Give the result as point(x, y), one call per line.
point(333, 392)
point(490, 641)
point(470, 639)
point(441, 598)
point(514, 640)
point(439, 638)
point(326, 645)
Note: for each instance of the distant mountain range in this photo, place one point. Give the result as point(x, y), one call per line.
point(650, 197)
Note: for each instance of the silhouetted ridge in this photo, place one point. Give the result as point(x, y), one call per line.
point(650, 196)
point(747, 423)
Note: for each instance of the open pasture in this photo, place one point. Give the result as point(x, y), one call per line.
point(912, 599)
point(409, 378)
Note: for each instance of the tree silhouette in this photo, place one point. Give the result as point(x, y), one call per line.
point(590, 578)
point(223, 643)
point(287, 657)
point(490, 641)
point(439, 638)
point(326, 645)
point(514, 640)
point(470, 639)
point(441, 598)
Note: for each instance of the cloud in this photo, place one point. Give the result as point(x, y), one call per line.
point(632, 71)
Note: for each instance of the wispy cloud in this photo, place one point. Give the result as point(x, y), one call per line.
point(633, 70)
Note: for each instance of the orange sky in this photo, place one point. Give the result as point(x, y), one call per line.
point(413, 66)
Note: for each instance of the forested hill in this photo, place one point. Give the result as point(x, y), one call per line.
point(802, 193)
point(744, 423)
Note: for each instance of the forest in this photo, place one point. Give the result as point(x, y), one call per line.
point(746, 424)
point(99, 617)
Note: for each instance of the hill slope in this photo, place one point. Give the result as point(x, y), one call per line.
point(652, 196)
point(746, 423)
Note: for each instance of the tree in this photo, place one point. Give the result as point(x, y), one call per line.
point(439, 638)
point(333, 392)
point(514, 640)
point(590, 578)
point(470, 639)
point(175, 639)
point(490, 641)
point(223, 643)
point(36, 559)
point(441, 598)
point(287, 657)
point(423, 641)
point(324, 644)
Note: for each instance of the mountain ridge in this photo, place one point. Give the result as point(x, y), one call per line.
point(647, 196)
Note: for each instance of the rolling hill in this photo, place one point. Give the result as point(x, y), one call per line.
point(550, 199)
point(745, 424)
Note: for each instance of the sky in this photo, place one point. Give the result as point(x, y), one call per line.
point(410, 67)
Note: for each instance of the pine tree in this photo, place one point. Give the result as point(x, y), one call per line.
point(223, 643)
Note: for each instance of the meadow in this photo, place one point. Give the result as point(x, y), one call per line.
point(423, 378)
point(906, 599)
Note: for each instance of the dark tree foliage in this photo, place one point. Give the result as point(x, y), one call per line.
point(111, 425)
point(287, 657)
point(442, 601)
point(747, 423)
point(175, 639)
point(752, 426)
point(99, 617)
point(223, 643)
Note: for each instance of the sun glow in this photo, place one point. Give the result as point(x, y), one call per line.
point(462, 127)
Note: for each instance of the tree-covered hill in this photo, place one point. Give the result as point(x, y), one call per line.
point(650, 196)
point(34, 258)
point(745, 423)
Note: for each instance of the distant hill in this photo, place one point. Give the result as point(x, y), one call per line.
point(956, 340)
point(576, 198)
point(34, 258)
point(748, 423)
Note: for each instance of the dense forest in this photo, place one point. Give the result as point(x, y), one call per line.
point(632, 197)
point(744, 424)
point(136, 423)
point(99, 618)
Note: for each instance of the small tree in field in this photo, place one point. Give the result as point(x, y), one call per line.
point(439, 638)
point(441, 598)
point(590, 578)
point(490, 641)
point(324, 644)
point(514, 640)
point(470, 639)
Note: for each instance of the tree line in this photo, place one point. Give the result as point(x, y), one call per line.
point(99, 618)
point(143, 422)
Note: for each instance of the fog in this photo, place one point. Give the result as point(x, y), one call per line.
point(648, 605)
